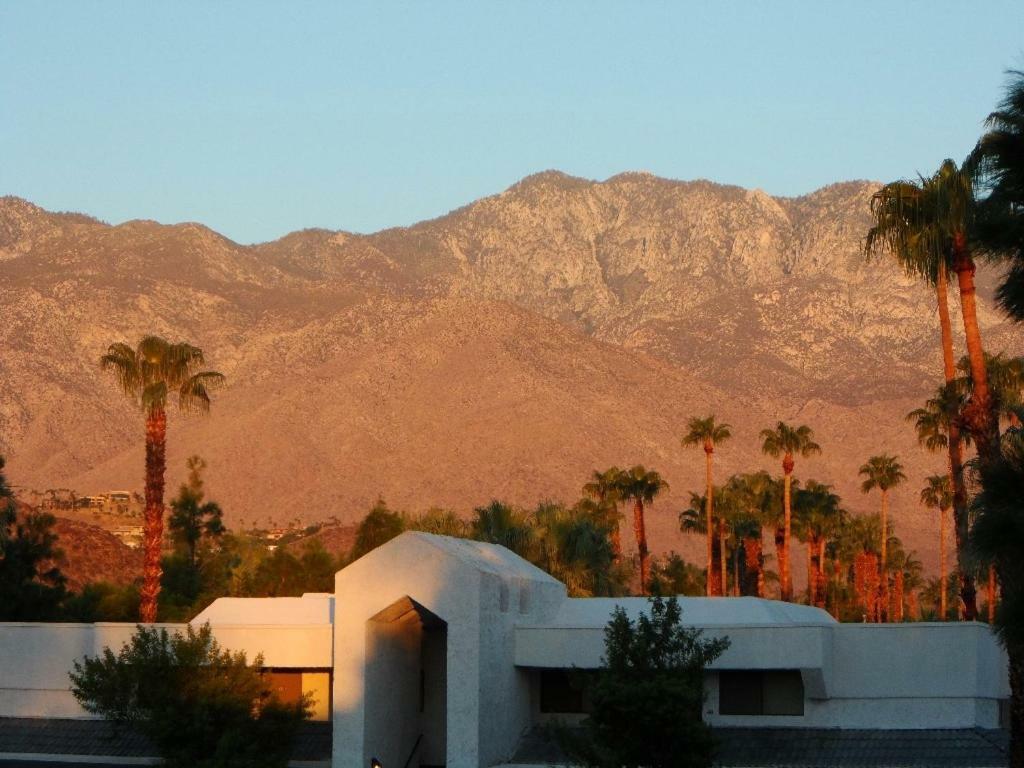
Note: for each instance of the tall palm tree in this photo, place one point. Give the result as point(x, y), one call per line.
point(999, 161)
point(938, 494)
point(883, 472)
point(788, 442)
point(818, 516)
point(149, 374)
point(936, 427)
point(603, 488)
point(694, 519)
point(928, 225)
point(641, 486)
point(707, 434)
point(998, 537)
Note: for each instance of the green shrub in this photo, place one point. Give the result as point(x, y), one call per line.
point(647, 698)
point(199, 704)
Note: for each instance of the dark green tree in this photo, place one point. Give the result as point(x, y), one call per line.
point(648, 695)
point(193, 519)
point(997, 537)
point(31, 583)
point(200, 705)
point(499, 523)
point(672, 575)
point(379, 527)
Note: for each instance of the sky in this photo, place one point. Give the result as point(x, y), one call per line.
point(260, 118)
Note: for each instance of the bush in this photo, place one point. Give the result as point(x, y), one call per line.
point(647, 698)
point(199, 704)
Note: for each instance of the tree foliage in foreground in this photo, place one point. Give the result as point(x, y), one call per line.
point(199, 704)
point(31, 584)
point(648, 696)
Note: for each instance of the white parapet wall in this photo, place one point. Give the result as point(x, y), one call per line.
point(36, 659)
point(885, 676)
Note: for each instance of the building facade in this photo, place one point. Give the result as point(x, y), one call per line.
point(439, 651)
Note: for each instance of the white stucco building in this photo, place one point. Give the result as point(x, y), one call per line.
point(437, 651)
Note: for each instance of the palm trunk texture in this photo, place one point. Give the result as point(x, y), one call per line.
point(978, 415)
point(883, 576)
point(784, 577)
point(708, 510)
point(153, 524)
point(968, 593)
point(641, 543)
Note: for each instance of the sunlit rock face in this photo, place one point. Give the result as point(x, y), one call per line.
point(503, 350)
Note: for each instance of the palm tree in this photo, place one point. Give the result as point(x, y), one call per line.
point(694, 519)
point(927, 226)
point(999, 160)
point(906, 570)
point(997, 536)
point(1005, 381)
point(754, 501)
point(787, 441)
point(938, 494)
point(883, 472)
point(642, 487)
point(818, 516)
point(936, 427)
point(707, 434)
point(603, 488)
point(499, 523)
point(148, 374)
point(574, 547)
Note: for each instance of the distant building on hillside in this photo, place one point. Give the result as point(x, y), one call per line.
point(438, 651)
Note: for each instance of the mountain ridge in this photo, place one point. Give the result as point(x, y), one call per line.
point(534, 318)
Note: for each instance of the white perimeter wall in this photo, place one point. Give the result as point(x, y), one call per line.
point(35, 659)
point(921, 675)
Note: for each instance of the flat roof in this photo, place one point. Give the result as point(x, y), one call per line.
point(311, 608)
point(594, 612)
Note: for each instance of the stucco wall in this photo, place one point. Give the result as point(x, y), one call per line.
point(481, 593)
point(36, 658)
point(921, 675)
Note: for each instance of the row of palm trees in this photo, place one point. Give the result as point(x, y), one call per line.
point(783, 440)
point(748, 502)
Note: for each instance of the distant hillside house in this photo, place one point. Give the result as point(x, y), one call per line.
point(437, 651)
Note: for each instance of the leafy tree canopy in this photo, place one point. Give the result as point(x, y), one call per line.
point(648, 695)
point(200, 704)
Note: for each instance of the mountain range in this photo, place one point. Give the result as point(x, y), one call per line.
point(504, 350)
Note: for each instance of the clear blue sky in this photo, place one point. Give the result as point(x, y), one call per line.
point(258, 118)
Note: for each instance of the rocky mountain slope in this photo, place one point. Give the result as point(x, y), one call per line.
point(503, 350)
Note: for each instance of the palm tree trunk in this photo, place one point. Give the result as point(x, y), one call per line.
point(810, 571)
point(721, 556)
point(708, 510)
point(819, 593)
point(991, 594)
point(968, 593)
point(945, 325)
point(942, 566)
point(641, 543)
point(153, 522)
point(616, 538)
point(784, 578)
point(736, 570)
point(897, 598)
point(883, 583)
point(978, 415)
point(752, 580)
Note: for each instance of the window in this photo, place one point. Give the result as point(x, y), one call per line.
point(563, 691)
point(758, 692)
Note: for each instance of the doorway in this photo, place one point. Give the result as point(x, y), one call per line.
point(406, 689)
